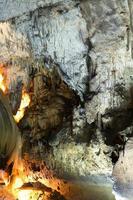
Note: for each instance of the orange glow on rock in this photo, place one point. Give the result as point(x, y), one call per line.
point(25, 101)
point(2, 84)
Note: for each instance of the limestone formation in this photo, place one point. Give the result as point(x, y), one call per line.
point(90, 43)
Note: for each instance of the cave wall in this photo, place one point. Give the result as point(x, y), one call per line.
point(90, 43)
point(55, 33)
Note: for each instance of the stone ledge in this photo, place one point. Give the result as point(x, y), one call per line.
point(10, 9)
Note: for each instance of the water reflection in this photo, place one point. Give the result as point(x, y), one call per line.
point(84, 188)
point(85, 191)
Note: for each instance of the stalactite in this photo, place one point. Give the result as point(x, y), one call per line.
point(130, 5)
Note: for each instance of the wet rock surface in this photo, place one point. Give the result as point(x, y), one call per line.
point(90, 43)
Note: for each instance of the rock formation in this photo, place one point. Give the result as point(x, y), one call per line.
point(83, 51)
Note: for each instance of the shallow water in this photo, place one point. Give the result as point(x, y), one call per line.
point(85, 191)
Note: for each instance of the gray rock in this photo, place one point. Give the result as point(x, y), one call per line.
point(91, 43)
point(10, 8)
point(111, 61)
point(51, 35)
point(122, 173)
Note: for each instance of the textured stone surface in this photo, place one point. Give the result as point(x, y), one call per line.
point(57, 34)
point(91, 44)
point(122, 172)
point(10, 8)
point(76, 152)
point(111, 63)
